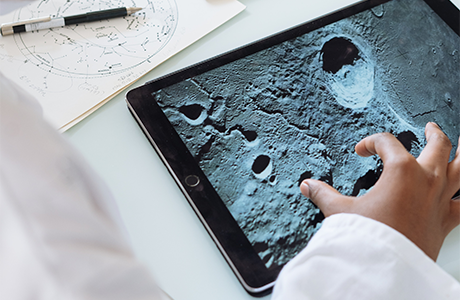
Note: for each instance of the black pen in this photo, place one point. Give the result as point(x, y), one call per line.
point(48, 22)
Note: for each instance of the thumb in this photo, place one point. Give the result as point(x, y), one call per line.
point(328, 199)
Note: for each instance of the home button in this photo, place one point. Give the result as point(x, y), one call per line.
point(192, 180)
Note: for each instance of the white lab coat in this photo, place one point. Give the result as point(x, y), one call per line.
point(353, 257)
point(61, 236)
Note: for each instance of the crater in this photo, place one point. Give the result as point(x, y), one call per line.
point(368, 180)
point(338, 52)
point(262, 166)
point(349, 73)
point(305, 175)
point(407, 138)
point(192, 111)
point(249, 135)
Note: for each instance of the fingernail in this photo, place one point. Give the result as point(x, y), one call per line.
point(305, 189)
point(433, 123)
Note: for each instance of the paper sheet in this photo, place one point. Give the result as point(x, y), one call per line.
point(73, 70)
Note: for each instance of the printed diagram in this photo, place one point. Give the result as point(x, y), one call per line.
point(100, 48)
point(73, 70)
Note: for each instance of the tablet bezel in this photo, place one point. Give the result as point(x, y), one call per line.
point(224, 230)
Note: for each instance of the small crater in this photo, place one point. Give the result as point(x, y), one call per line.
point(448, 99)
point(249, 135)
point(368, 180)
point(305, 175)
point(266, 259)
point(205, 149)
point(192, 111)
point(338, 52)
point(260, 164)
point(378, 11)
point(407, 138)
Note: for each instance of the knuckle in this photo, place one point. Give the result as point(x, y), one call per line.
point(435, 180)
point(384, 134)
point(405, 162)
point(431, 177)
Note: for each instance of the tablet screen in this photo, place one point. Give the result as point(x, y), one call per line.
point(260, 125)
point(258, 122)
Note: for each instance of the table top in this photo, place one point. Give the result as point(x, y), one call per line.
point(165, 233)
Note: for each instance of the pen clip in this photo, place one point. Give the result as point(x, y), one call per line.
point(7, 28)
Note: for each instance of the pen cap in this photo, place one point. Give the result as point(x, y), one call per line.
point(7, 28)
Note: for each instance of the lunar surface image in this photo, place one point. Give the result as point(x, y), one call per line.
point(260, 125)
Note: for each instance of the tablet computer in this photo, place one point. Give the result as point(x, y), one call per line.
point(239, 132)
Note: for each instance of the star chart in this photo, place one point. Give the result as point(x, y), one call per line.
point(101, 48)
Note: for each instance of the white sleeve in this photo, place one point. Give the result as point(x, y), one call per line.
point(61, 235)
point(353, 257)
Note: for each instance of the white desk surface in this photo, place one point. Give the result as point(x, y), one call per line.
point(165, 232)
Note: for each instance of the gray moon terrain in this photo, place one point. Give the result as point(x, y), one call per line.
point(260, 125)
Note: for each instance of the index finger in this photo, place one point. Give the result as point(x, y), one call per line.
point(397, 162)
point(386, 145)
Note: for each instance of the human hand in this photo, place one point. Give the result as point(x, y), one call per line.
point(412, 195)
